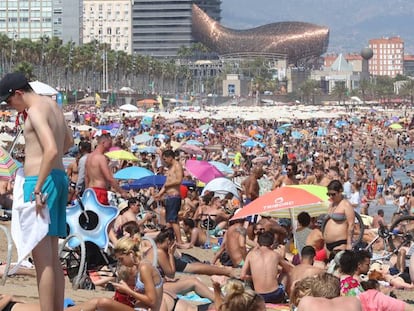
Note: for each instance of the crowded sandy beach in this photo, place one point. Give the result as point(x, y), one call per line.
point(229, 207)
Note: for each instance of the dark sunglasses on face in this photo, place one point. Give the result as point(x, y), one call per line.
point(331, 194)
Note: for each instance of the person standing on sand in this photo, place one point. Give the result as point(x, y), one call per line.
point(171, 189)
point(47, 138)
point(97, 172)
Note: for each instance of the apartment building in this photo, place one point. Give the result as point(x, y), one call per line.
point(388, 59)
point(108, 21)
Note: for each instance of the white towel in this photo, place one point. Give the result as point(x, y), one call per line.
point(27, 228)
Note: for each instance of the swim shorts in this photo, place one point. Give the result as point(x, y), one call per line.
point(101, 195)
point(277, 296)
point(56, 187)
point(172, 207)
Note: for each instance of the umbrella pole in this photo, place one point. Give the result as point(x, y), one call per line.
point(294, 226)
point(13, 145)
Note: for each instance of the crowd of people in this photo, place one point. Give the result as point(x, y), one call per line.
point(280, 261)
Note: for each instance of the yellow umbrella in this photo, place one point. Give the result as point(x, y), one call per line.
point(396, 126)
point(121, 155)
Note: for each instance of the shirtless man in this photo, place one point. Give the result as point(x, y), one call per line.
point(171, 189)
point(304, 269)
point(234, 243)
point(98, 175)
point(251, 188)
point(47, 138)
point(289, 178)
point(72, 171)
point(262, 267)
point(318, 178)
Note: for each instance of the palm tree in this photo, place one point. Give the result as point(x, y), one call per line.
point(309, 89)
point(340, 91)
point(408, 90)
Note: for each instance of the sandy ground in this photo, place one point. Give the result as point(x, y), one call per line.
point(25, 288)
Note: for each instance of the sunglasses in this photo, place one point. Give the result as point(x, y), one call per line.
point(260, 229)
point(331, 194)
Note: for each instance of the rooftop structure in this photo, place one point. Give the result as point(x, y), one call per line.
point(294, 41)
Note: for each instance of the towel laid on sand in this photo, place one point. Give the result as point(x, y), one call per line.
point(27, 228)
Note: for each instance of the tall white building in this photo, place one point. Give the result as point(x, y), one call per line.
point(26, 19)
point(108, 21)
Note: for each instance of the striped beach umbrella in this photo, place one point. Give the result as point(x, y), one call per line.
point(8, 166)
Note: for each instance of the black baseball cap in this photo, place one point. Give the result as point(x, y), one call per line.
point(10, 83)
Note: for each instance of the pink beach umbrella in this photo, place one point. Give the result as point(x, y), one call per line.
point(202, 170)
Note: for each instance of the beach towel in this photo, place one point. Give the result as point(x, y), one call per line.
point(27, 228)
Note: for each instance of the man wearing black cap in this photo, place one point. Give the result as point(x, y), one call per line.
point(47, 138)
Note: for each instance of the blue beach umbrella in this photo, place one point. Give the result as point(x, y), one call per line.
point(341, 123)
point(253, 143)
point(285, 126)
point(194, 142)
point(152, 181)
point(222, 167)
point(297, 135)
point(142, 138)
point(133, 172)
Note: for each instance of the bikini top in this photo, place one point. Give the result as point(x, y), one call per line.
point(337, 216)
point(140, 287)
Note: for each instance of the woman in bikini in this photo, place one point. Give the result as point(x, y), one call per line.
point(340, 221)
point(147, 292)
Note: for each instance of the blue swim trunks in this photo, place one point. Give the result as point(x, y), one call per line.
point(56, 186)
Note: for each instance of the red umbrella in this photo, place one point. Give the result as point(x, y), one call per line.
point(285, 202)
point(202, 170)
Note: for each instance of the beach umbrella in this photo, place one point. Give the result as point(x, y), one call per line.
point(341, 123)
point(225, 169)
point(142, 138)
point(85, 128)
point(193, 142)
point(42, 88)
point(221, 185)
point(252, 143)
point(147, 149)
point(191, 149)
point(395, 126)
point(126, 89)
point(179, 125)
point(288, 202)
point(260, 159)
point(133, 172)
point(146, 102)
point(121, 155)
point(128, 107)
point(285, 126)
point(161, 136)
point(258, 136)
point(8, 166)
point(202, 170)
point(296, 135)
point(152, 181)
